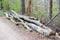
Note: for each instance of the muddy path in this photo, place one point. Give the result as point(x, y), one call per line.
point(9, 31)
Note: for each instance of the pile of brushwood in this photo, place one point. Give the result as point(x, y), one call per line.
point(30, 23)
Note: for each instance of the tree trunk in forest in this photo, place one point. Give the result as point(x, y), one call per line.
point(45, 6)
point(50, 10)
point(23, 6)
point(59, 6)
point(1, 4)
point(29, 8)
point(55, 15)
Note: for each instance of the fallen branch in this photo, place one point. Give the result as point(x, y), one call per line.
point(52, 19)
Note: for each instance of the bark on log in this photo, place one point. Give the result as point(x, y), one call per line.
point(44, 31)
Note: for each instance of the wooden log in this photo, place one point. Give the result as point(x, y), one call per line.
point(7, 16)
point(44, 31)
point(26, 19)
point(36, 25)
point(16, 20)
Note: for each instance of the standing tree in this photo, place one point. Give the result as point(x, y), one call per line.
point(45, 6)
point(29, 8)
point(55, 15)
point(59, 6)
point(23, 6)
point(50, 10)
point(1, 4)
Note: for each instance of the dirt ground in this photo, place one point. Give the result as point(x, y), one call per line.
point(9, 31)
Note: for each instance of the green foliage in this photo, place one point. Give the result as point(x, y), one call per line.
point(5, 2)
point(16, 5)
point(1, 12)
point(13, 4)
point(40, 12)
point(37, 8)
point(55, 8)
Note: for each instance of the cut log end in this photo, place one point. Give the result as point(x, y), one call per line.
point(53, 33)
point(42, 21)
point(30, 31)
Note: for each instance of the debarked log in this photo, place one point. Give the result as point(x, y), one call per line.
point(36, 25)
point(16, 20)
point(44, 31)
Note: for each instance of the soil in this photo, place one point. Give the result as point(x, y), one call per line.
point(9, 31)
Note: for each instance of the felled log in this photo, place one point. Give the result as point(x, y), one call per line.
point(16, 20)
point(45, 31)
point(25, 18)
point(21, 16)
point(36, 25)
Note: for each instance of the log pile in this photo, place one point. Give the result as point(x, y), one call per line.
point(30, 23)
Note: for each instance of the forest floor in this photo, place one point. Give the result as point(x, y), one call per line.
point(9, 31)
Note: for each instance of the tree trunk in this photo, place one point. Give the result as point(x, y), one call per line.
point(23, 6)
point(1, 4)
point(45, 6)
point(50, 10)
point(29, 8)
point(55, 15)
point(59, 6)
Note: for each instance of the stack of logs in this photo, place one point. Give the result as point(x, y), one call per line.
point(30, 23)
